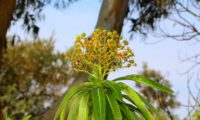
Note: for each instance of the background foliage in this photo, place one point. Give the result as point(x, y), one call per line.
point(33, 74)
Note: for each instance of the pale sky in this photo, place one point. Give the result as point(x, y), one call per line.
point(82, 17)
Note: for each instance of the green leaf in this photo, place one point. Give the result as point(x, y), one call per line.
point(70, 93)
point(136, 99)
point(146, 81)
point(114, 107)
point(109, 115)
point(93, 115)
point(144, 100)
point(27, 117)
point(99, 103)
point(129, 114)
point(74, 107)
point(115, 89)
point(133, 109)
point(151, 107)
point(83, 107)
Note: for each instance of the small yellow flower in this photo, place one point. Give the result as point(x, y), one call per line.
point(103, 49)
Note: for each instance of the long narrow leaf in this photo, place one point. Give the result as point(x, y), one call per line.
point(129, 114)
point(151, 107)
point(93, 115)
point(115, 89)
point(109, 115)
point(133, 109)
point(70, 93)
point(114, 106)
point(146, 81)
point(99, 103)
point(138, 102)
point(74, 107)
point(144, 100)
point(83, 108)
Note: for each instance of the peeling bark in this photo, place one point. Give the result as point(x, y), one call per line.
point(111, 17)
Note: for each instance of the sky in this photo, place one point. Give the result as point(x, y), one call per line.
point(82, 16)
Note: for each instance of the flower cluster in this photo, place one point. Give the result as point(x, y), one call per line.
point(103, 52)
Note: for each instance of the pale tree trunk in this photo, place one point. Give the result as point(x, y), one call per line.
point(111, 17)
point(7, 8)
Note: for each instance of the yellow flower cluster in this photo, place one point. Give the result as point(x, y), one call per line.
point(103, 52)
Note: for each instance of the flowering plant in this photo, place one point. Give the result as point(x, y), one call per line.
point(101, 99)
point(102, 53)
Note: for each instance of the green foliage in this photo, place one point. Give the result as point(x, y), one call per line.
point(101, 99)
point(148, 82)
point(32, 74)
point(97, 104)
point(25, 118)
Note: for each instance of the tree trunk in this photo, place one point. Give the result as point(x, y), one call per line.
point(111, 17)
point(112, 14)
point(1, 116)
point(7, 8)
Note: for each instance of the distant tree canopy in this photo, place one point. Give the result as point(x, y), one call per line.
point(33, 74)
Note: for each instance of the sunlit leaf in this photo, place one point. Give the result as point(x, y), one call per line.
point(70, 93)
point(114, 107)
point(146, 81)
point(74, 108)
point(115, 89)
point(83, 107)
point(99, 103)
point(93, 115)
point(138, 102)
point(151, 107)
point(129, 114)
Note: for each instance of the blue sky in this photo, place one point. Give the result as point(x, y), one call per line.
point(82, 17)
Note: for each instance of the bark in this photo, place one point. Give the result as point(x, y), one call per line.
point(111, 17)
point(7, 8)
point(1, 116)
point(112, 14)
